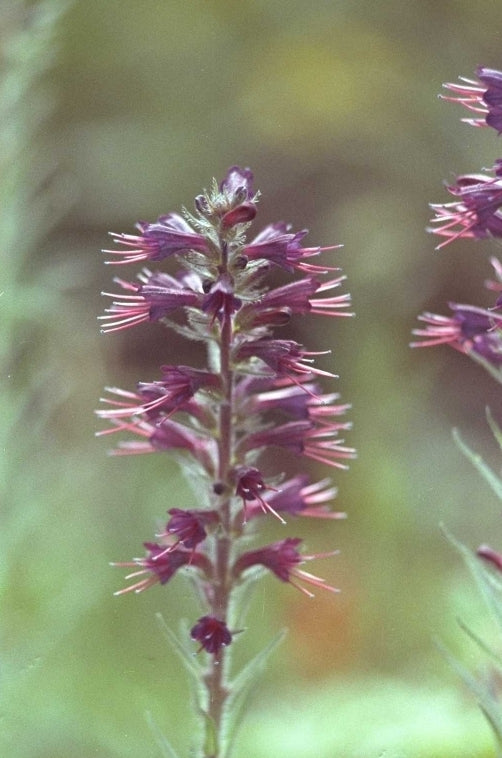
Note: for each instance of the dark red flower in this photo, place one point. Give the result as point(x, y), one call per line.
point(297, 497)
point(304, 437)
point(160, 565)
point(282, 559)
point(250, 486)
point(189, 526)
point(212, 634)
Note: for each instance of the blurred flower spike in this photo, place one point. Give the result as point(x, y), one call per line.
point(476, 331)
point(222, 421)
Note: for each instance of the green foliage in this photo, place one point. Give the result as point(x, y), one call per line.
point(489, 586)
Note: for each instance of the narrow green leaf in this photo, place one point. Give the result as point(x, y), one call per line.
point(480, 643)
point(486, 701)
point(256, 665)
point(187, 658)
point(492, 479)
point(489, 589)
point(241, 687)
point(165, 746)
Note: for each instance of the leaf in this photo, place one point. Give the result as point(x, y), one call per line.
point(486, 701)
point(480, 643)
point(492, 479)
point(241, 686)
point(166, 748)
point(489, 587)
point(187, 658)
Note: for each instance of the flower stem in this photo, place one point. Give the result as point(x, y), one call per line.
point(222, 585)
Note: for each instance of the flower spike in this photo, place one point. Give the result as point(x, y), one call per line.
point(223, 419)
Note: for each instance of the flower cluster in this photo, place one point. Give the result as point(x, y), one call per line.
point(475, 213)
point(476, 210)
point(254, 393)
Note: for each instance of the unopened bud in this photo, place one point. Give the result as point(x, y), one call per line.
point(239, 215)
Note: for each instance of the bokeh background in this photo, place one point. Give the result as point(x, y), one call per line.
point(113, 111)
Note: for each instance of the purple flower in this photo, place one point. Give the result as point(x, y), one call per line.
point(298, 400)
point(477, 212)
point(277, 305)
point(189, 526)
point(169, 235)
point(284, 357)
point(470, 330)
point(250, 486)
point(164, 435)
point(160, 566)
point(174, 392)
point(297, 497)
point(237, 185)
point(303, 437)
point(212, 633)
point(277, 244)
point(220, 302)
point(282, 559)
point(156, 297)
point(483, 96)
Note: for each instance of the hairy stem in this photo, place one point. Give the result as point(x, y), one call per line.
point(222, 587)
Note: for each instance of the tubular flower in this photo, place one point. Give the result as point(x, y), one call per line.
point(282, 559)
point(284, 357)
point(165, 435)
point(250, 486)
point(169, 235)
point(277, 306)
point(469, 330)
point(189, 527)
point(156, 297)
point(302, 437)
point(481, 96)
point(277, 244)
point(160, 566)
point(297, 497)
point(212, 633)
point(477, 212)
point(155, 399)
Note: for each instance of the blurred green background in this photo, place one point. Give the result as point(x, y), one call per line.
point(113, 111)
